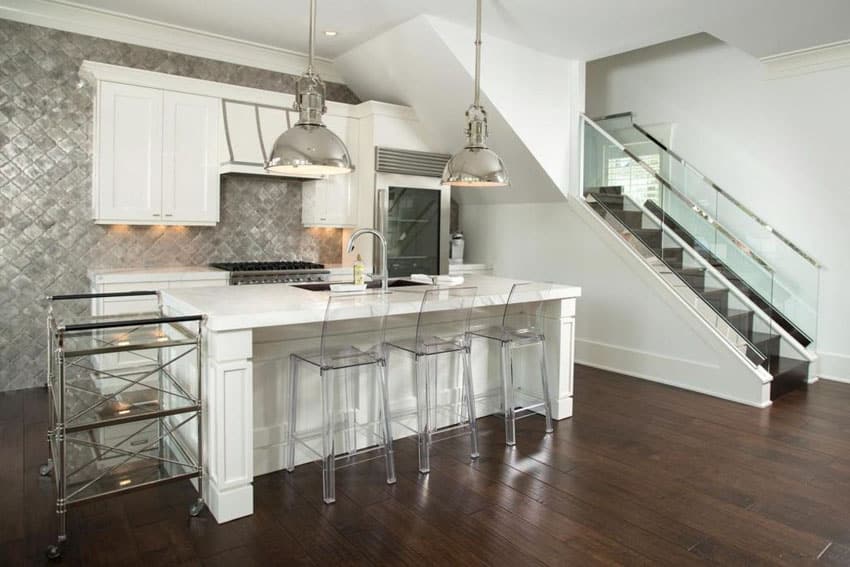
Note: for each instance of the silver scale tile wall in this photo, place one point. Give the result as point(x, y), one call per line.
point(47, 238)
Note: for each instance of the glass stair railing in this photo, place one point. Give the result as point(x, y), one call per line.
point(687, 249)
point(793, 294)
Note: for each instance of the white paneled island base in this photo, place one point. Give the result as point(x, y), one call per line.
point(251, 331)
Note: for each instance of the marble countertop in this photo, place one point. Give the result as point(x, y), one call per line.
point(268, 305)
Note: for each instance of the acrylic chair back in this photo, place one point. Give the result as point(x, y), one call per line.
point(444, 315)
point(524, 309)
point(354, 326)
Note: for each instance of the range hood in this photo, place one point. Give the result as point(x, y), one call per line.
point(249, 133)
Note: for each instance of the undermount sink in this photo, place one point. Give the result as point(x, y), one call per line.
point(369, 285)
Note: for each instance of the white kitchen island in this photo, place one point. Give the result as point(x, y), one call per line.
point(250, 332)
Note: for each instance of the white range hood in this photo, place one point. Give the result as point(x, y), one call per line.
point(249, 132)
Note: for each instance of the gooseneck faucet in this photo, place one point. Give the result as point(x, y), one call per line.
point(385, 273)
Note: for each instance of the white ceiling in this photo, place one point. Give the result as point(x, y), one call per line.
point(580, 29)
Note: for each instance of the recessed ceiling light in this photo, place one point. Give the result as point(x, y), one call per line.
point(331, 33)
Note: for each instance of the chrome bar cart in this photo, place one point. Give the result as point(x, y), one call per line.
point(125, 401)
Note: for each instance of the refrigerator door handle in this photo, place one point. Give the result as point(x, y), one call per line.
point(381, 212)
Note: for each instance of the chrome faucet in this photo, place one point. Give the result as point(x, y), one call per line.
point(385, 273)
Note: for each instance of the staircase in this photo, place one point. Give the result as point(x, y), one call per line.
point(755, 306)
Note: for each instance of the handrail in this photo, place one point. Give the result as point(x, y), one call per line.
point(806, 256)
point(713, 221)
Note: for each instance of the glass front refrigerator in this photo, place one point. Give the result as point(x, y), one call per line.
point(414, 221)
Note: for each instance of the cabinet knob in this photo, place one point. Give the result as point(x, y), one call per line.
point(169, 215)
point(156, 214)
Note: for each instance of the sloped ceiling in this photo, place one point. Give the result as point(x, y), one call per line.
point(391, 67)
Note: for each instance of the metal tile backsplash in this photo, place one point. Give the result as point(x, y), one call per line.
point(47, 238)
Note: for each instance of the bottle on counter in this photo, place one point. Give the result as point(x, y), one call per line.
point(359, 271)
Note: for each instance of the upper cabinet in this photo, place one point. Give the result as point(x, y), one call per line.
point(333, 200)
point(162, 142)
point(190, 178)
point(156, 156)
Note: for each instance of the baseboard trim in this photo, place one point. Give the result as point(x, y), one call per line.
point(650, 359)
point(834, 367)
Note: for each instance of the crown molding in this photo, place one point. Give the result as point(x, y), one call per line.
point(93, 71)
point(85, 20)
point(809, 60)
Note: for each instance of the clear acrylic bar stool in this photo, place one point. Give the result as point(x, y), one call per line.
point(352, 338)
point(442, 328)
point(521, 326)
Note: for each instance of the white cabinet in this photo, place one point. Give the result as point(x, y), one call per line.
point(333, 200)
point(190, 179)
point(156, 155)
point(128, 154)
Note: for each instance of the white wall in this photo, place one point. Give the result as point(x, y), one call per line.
point(779, 146)
point(439, 87)
point(626, 319)
point(539, 95)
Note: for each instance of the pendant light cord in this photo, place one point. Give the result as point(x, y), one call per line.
point(313, 36)
point(477, 55)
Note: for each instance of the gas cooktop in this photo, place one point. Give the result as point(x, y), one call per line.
point(242, 273)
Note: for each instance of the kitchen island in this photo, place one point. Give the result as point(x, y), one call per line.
point(251, 330)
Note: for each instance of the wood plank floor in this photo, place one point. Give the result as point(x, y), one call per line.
point(642, 474)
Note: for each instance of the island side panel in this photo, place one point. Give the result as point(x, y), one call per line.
point(229, 424)
point(560, 353)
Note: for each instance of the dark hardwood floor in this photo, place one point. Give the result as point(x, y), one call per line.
point(642, 474)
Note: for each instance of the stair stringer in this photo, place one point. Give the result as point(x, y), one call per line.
point(734, 377)
point(804, 352)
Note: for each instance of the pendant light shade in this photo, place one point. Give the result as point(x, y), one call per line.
point(308, 147)
point(476, 165)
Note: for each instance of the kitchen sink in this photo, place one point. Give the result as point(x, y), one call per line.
point(324, 286)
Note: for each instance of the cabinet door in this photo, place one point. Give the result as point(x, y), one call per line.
point(312, 203)
point(190, 179)
point(332, 201)
point(128, 181)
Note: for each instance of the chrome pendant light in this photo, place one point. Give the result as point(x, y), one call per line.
point(476, 165)
point(308, 147)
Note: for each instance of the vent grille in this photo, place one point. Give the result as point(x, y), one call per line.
point(407, 162)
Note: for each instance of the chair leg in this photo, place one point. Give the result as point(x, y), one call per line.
point(351, 375)
point(544, 376)
point(385, 413)
point(293, 405)
point(423, 425)
point(328, 451)
point(508, 393)
point(470, 404)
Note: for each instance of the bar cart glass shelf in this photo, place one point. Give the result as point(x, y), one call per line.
point(125, 402)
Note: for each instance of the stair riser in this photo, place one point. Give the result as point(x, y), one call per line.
point(744, 323)
point(786, 382)
point(651, 238)
point(632, 219)
point(695, 281)
point(720, 301)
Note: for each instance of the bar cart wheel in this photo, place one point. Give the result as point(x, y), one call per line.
point(54, 552)
point(45, 469)
point(196, 508)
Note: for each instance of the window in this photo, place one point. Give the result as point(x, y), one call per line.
point(636, 182)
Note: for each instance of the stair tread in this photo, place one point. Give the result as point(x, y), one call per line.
point(715, 291)
point(733, 313)
point(759, 337)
